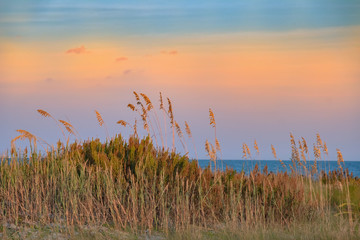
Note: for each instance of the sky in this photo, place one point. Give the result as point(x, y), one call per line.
point(265, 68)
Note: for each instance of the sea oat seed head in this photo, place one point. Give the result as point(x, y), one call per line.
point(44, 113)
point(132, 107)
point(273, 151)
point(212, 118)
point(99, 118)
point(122, 122)
point(187, 129)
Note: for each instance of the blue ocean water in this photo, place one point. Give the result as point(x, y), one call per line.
point(275, 166)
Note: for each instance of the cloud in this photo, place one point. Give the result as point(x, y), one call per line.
point(120, 59)
point(78, 50)
point(171, 52)
point(49, 79)
point(127, 72)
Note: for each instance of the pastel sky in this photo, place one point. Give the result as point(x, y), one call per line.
point(266, 68)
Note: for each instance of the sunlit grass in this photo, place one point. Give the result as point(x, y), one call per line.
point(140, 185)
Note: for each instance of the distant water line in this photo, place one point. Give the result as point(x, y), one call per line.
point(275, 166)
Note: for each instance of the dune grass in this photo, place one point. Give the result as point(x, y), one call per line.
point(139, 188)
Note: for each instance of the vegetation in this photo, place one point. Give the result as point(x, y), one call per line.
point(140, 189)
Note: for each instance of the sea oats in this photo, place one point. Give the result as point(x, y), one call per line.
point(273, 151)
point(137, 98)
point(325, 148)
point(294, 149)
point(44, 113)
point(147, 101)
point(247, 149)
point(212, 118)
point(135, 127)
point(340, 158)
point(161, 102)
point(306, 149)
point(292, 139)
point(99, 118)
point(187, 129)
point(302, 151)
point(48, 115)
point(256, 147)
point(68, 126)
point(207, 146)
point(178, 130)
point(132, 107)
point(170, 112)
point(282, 163)
point(317, 152)
point(318, 140)
point(217, 145)
point(244, 151)
point(24, 135)
point(122, 122)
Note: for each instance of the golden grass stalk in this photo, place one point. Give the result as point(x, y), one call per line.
point(317, 152)
point(102, 123)
point(24, 135)
point(213, 124)
point(187, 129)
point(302, 151)
point(256, 147)
point(304, 143)
point(99, 118)
point(44, 113)
point(282, 164)
point(273, 151)
point(178, 130)
point(135, 128)
point(68, 127)
point(164, 117)
point(244, 151)
point(248, 150)
point(171, 116)
point(318, 140)
point(150, 106)
point(325, 148)
point(27, 135)
point(340, 158)
point(144, 115)
point(161, 102)
point(207, 146)
point(48, 115)
point(122, 123)
point(137, 97)
point(170, 111)
point(211, 152)
point(147, 101)
point(132, 107)
point(212, 118)
point(181, 136)
point(217, 145)
point(188, 132)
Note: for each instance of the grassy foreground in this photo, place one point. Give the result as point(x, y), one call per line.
point(133, 189)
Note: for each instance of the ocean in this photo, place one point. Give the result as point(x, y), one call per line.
point(275, 166)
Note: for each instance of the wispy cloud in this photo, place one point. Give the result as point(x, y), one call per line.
point(171, 52)
point(78, 50)
point(121, 59)
point(127, 72)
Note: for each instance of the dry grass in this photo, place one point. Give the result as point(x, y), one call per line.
point(136, 185)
